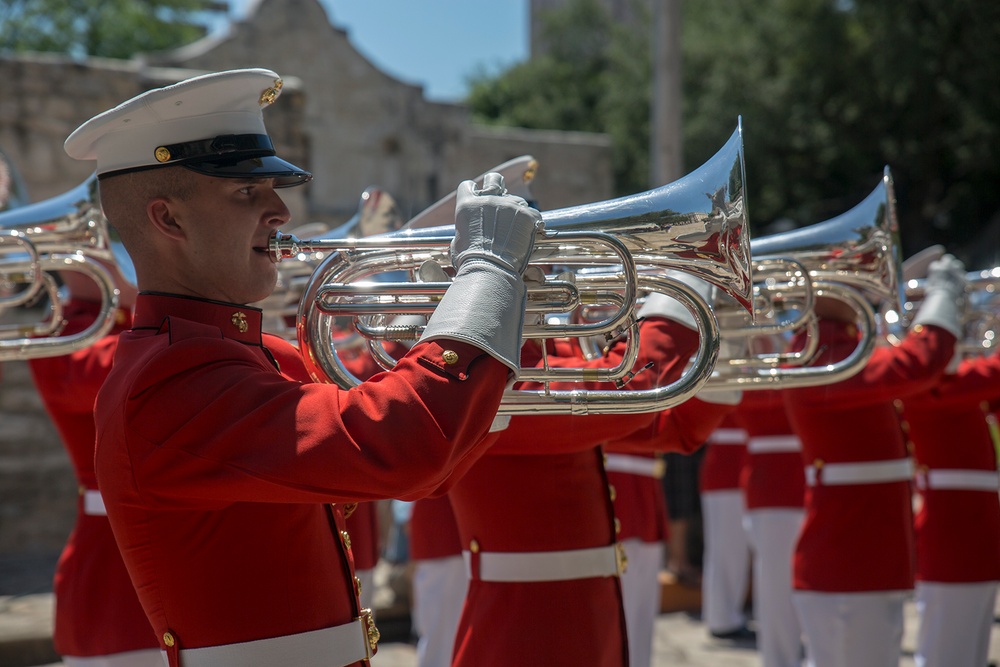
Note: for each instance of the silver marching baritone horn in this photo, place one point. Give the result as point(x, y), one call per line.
point(65, 233)
point(853, 258)
point(697, 225)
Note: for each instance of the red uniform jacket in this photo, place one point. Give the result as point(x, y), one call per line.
point(362, 526)
point(224, 477)
point(542, 488)
point(433, 530)
point(859, 537)
point(772, 475)
point(958, 530)
point(640, 504)
point(97, 612)
point(725, 453)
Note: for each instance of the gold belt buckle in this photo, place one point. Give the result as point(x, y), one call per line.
point(372, 634)
point(621, 560)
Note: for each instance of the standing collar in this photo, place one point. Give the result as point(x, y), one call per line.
point(236, 321)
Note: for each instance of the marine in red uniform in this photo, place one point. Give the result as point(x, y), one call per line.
point(440, 581)
point(635, 470)
point(854, 559)
point(538, 528)
point(958, 522)
point(773, 485)
point(98, 619)
point(223, 469)
point(726, 561)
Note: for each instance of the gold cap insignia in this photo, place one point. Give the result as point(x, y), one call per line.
point(271, 94)
point(239, 320)
point(162, 154)
point(529, 173)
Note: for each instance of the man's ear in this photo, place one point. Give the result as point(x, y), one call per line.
point(160, 211)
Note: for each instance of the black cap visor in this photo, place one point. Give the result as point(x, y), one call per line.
point(285, 174)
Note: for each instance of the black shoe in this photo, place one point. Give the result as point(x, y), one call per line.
point(742, 634)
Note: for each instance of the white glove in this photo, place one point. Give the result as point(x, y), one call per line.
point(942, 305)
point(483, 307)
point(493, 226)
point(661, 305)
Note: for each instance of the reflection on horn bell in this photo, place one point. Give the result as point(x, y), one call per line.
point(697, 225)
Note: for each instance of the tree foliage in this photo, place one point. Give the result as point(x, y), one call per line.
point(593, 77)
point(109, 28)
point(830, 91)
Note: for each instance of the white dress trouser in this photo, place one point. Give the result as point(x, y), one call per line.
point(641, 597)
point(439, 588)
point(851, 629)
point(726, 561)
point(773, 533)
point(151, 657)
point(955, 623)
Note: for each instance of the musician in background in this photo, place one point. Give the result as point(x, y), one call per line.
point(773, 485)
point(725, 580)
point(634, 467)
point(958, 521)
point(440, 580)
point(854, 558)
point(98, 618)
point(536, 518)
point(224, 470)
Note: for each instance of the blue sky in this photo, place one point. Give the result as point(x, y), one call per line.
point(433, 43)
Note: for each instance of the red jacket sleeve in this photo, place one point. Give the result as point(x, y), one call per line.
point(665, 344)
point(683, 428)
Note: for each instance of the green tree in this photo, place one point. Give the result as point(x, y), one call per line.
point(830, 91)
point(593, 77)
point(109, 28)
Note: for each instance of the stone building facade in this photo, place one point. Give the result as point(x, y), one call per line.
point(351, 124)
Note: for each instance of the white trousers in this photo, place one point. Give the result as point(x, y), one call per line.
point(851, 629)
point(641, 597)
point(773, 533)
point(955, 623)
point(726, 561)
point(151, 657)
point(439, 588)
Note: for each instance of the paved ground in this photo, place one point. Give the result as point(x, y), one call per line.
point(681, 640)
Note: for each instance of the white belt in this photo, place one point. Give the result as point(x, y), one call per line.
point(635, 465)
point(767, 444)
point(606, 561)
point(338, 646)
point(728, 436)
point(869, 472)
point(93, 503)
point(971, 480)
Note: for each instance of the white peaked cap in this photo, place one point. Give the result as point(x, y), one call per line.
point(213, 124)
